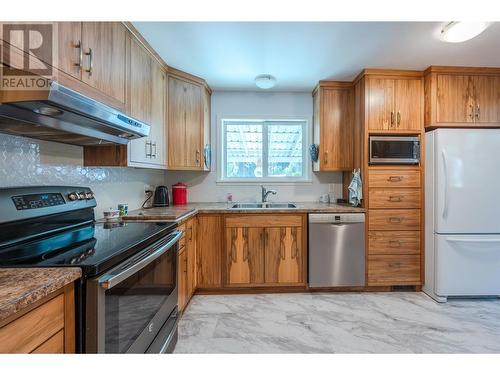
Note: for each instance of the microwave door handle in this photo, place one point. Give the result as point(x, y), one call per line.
point(110, 280)
point(445, 194)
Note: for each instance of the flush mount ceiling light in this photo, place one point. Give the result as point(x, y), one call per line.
point(456, 32)
point(265, 81)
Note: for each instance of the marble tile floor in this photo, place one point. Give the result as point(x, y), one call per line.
point(338, 323)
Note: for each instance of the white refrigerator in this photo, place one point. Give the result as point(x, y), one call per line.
point(462, 213)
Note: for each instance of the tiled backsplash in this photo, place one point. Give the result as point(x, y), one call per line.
point(25, 161)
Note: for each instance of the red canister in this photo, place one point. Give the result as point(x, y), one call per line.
point(179, 193)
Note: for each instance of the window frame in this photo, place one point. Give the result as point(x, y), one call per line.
point(222, 152)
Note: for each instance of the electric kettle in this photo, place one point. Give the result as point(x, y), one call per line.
point(161, 197)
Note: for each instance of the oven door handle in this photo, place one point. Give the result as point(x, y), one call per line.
point(109, 280)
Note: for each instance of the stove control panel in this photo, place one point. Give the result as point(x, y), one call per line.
point(30, 201)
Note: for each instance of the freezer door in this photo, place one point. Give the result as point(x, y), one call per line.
point(467, 265)
point(467, 180)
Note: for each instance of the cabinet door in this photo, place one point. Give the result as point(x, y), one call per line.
point(245, 255)
point(206, 128)
point(182, 281)
point(105, 51)
point(381, 114)
point(284, 255)
point(336, 129)
point(70, 48)
point(455, 102)
point(140, 99)
point(487, 99)
point(194, 128)
point(176, 123)
point(408, 104)
point(158, 115)
point(191, 257)
point(209, 251)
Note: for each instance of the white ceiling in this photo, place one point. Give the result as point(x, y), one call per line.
point(299, 54)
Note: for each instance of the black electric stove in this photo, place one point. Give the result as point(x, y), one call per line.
point(54, 226)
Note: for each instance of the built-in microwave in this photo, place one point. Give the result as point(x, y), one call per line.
point(394, 149)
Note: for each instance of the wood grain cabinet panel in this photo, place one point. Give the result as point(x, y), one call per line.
point(284, 255)
point(455, 98)
point(408, 104)
point(104, 48)
point(46, 327)
point(380, 104)
point(381, 178)
point(209, 251)
point(182, 279)
point(333, 127)
point(395, 198)
point(393, 242)
point(394, 270)
point(486, 99)
point(70, 48)
point(245, 255)
point(390, 219)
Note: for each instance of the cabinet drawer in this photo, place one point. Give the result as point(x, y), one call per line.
point(395, 198)
point(403, 242)
point(394, 270)
point(26, 333)
point(259, 221)
point(54, 345)
point(393, 178)
point(394, 219)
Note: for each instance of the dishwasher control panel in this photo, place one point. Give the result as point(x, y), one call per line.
point(337, 218)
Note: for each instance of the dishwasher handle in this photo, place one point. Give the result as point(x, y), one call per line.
point(345, 218)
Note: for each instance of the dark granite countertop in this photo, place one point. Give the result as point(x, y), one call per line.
point(20, 287)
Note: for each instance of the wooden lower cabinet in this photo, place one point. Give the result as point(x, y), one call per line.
point(265, 250)
point(394, 270)
point(47, 327)
point(182, 279)
point(186, 264)
point(209, 237)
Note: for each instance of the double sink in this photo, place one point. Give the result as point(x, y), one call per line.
point(250, 206)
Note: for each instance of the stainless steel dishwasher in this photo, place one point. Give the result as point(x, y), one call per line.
point(336, 250)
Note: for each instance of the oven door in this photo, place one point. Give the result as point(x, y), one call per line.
point(130, 305)
point(394, 150)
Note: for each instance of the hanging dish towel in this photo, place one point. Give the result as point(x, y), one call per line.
point(356, 188)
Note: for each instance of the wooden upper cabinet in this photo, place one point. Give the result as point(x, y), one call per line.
point(104, 62)
point(69, 48)
point(394, 104)
point(487, 99)
point(333, 126)
point(455, 98)
point(185, 124)
point(380, 104)
point(462, 97)
point(408, 104)
point(207, 158)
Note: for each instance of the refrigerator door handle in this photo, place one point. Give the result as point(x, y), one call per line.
point(473, 240)
point(445, 197)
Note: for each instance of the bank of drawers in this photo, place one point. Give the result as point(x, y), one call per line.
point(394, 221)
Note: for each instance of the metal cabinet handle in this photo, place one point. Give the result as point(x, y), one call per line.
point(149, 153)
point(395, 220)
point(471, 114)
point(90, 54)
point(79, 47)
point(197, 156)
point(478, 112)
point(325, 157)
point(153, 155)
point(395, 178)
point(392, 118)
point(398, 118)
point(395, 198)
point(185, 265)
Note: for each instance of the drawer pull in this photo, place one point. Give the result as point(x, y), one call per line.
point(395, 220)
point(394, 243)
point(395, 198)
point(395, 178)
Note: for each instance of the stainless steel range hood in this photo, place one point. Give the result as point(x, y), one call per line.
point(63, 115)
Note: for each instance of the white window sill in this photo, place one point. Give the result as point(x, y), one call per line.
point(263, 182)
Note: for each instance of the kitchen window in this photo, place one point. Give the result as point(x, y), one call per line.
point(255, 150)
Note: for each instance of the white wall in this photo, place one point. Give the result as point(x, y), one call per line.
point(29, 162)
point(203, 187)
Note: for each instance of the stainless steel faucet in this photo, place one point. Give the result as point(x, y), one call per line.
point(265, 193)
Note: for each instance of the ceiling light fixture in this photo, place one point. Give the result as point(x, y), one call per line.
point(456, 32)
point(265, 81)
